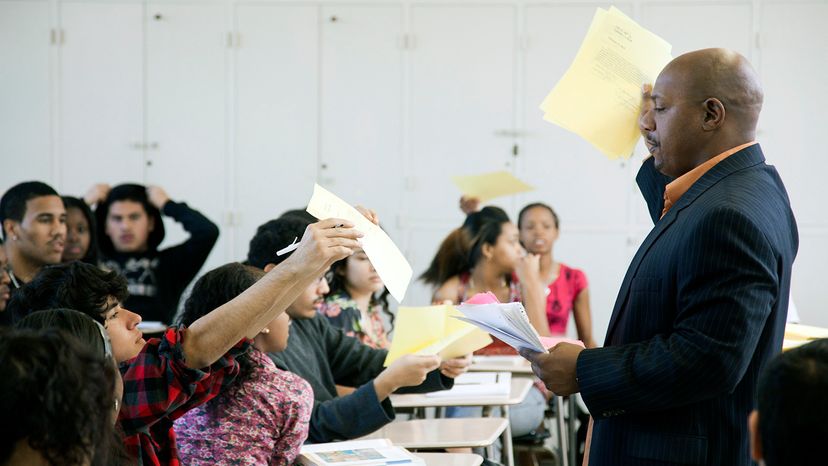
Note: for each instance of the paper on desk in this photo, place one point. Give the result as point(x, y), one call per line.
point(355, 452)
point(500, 386)
point(508, 322)
point(599, 96)
point(387, 259)
point(433, 330)
point(490, 185)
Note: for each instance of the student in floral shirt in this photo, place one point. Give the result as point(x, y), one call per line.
point(166, 377)
point(262, 416)
point(357, 299)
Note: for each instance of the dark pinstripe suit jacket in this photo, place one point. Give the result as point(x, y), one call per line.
point(700, 311)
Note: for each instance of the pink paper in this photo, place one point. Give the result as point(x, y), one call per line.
point(549, 342)
point(483, 298)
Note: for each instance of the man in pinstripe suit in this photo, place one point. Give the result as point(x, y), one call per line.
point(702, 307)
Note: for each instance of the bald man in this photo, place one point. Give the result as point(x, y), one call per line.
point(702, 307)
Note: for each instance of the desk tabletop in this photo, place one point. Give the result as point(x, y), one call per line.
point(513, 364)
point(520, 388)
point(443, 433)
point(450, 459)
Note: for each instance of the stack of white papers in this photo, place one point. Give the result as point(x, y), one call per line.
point(356, 452)
point(478, 384)
point(506, 321)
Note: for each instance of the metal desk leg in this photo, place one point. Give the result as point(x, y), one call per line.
point(573, 434)
point(562, 434)
point(506, 437)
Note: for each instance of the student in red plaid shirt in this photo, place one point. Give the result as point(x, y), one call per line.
point(165, 377)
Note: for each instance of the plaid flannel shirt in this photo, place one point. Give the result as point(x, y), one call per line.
point(159, 388)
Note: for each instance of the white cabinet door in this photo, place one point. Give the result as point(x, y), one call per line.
point(461, 98)
point(186, 109)
point(460, 95)
point(25, 127)
point(361, 107)
point(101, 89)
point(793, 47)
point(276, 89)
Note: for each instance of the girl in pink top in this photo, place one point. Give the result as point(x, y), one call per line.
point(262, 418)
point(566, 287)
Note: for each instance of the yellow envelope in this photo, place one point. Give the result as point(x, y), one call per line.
point(599, 96)
point(490, 185)
point(432, 330)
point(386, 257)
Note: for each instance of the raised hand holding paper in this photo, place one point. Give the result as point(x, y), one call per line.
point(599, 96)
point(389, 262)
point(490, 185)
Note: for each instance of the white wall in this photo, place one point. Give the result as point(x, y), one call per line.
point(237, 107)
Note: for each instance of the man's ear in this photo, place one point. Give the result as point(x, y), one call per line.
point(8, 225)
point(714, 114)
point(269, 267)
point(755, 438)
point(150, 223)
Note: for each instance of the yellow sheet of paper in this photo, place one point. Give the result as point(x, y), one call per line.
point(490, 185)
point(432, 330)
point(599, 96)
point(386, 257)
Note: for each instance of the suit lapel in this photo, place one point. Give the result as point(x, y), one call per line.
point(745, 158)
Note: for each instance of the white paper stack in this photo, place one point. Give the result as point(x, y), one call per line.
point(506, 321)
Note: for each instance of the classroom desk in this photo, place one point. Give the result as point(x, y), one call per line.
point(450, 459)
point(442, 433)
point(519, 389)
point(519, 366)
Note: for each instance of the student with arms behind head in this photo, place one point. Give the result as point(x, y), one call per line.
point(262, 416)
point(166, 377)
point(325, 356)
point(130, 228)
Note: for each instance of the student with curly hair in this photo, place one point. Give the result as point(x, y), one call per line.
point(262, 416)
point(57, 403)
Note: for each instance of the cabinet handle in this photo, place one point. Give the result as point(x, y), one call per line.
point(137, 146)
point(153, 146)
point(158, 17)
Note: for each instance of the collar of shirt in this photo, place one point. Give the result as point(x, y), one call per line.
point(679, 186)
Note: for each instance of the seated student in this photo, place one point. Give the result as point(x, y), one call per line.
point(33, 222)
point(566, 287)
point(81, 237)
point(5, 282)
point(57, 403)
point(357, 299)
point(130, 228)
point(325, 356)
point(262, 417)
point(166, 377)
point(788, 426)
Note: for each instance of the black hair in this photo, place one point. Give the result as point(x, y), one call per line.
point(75, 323)
point(301, 213)
point(91, 256)
point(336, 284)
point(541, 205)
point(58, 396)
point(793, 404)
point(452, 257)
point(273, 236)
point(214, 289)
point(75, 285)
point(128, 192)
point(488, 234)
point(13, 202)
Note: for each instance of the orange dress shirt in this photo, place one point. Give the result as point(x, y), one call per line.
point(679, 186)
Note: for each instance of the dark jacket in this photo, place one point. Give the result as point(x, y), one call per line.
point(325, 357)
point(700, 312)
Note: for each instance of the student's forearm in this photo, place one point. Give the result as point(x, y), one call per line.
point(209, 337)
point(384, 386)
point(535, 304)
